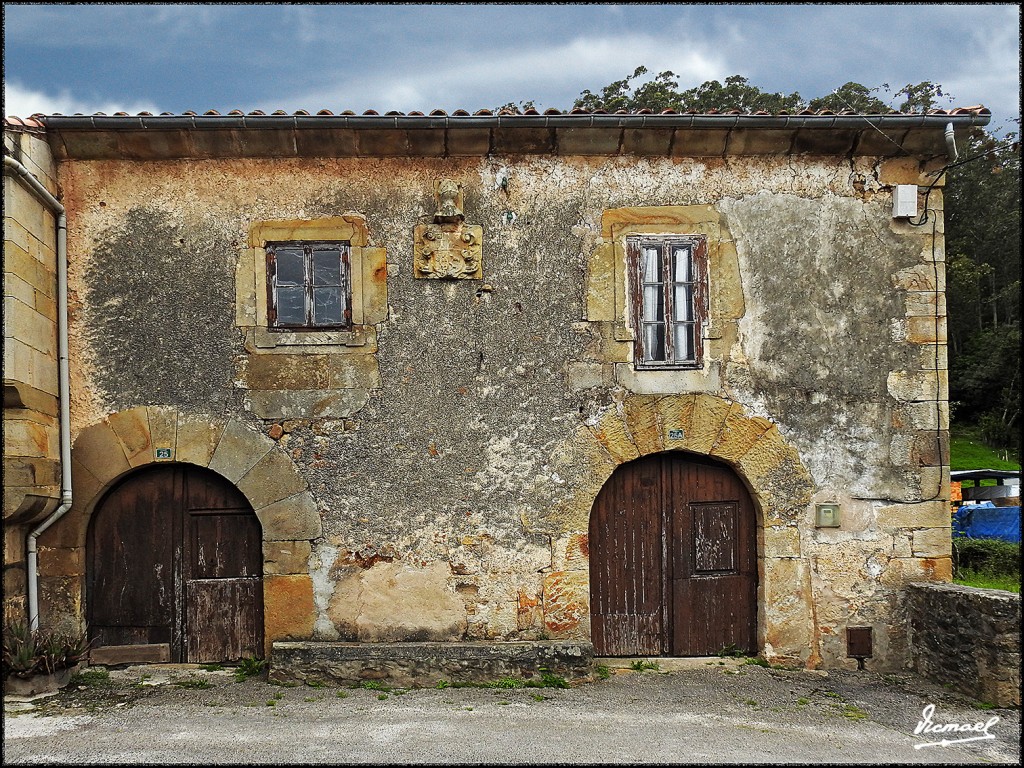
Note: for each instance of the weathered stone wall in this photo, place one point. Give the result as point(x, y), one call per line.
point(968, 638)
point(468, 432)
point(31, 434)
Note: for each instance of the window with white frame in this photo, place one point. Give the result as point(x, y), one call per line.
point(669, 299)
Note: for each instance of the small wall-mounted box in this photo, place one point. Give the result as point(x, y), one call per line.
point(904, 201)
point(826, 515)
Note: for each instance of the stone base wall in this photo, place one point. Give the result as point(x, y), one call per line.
point(426, 664)
point(968, 638)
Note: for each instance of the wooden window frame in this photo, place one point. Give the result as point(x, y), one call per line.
point(308, 247)
point(698, 249)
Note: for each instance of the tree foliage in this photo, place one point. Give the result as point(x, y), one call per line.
point(983, 268)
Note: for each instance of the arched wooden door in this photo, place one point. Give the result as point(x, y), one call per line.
point(175, 556)
point(673, 560)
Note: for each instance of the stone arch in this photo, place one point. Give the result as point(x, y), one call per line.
point(779, 484)
point(127, 440)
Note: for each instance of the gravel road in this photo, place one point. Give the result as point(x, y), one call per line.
point(717, 711)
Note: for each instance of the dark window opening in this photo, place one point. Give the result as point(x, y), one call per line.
point(308, 285)
point(668, 287)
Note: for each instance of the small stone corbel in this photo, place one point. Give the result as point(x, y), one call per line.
point(448, 248)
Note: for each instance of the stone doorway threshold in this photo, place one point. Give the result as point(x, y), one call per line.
point(669, 663)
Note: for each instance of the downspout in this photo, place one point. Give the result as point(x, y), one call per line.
point(64, 380)
point(951, 143)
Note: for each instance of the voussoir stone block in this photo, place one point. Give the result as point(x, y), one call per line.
point(239, 449)
point(292, 519)
point(641, 415)
point(272, 478)
point(132, 429)
point(197, 439)
point(286, 557)
point(163, 427)
point(99, 451)
point(738, 435)
point(709, 415)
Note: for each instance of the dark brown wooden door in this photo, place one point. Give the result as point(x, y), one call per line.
point(175, 556)
point(673, 560)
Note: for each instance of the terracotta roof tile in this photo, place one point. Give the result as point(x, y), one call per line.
point(37, 121)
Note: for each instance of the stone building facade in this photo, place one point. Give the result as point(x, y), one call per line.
point(425, 465)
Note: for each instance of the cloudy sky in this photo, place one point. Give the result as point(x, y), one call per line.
point(179, 57)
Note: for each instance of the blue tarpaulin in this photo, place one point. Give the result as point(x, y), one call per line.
point(986, 521)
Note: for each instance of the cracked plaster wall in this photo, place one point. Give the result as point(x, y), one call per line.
point(469, 470)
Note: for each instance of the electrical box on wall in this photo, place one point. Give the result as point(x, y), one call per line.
point(826, 516)
point(904, 201)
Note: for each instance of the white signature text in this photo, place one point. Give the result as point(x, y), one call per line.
point(927, 725)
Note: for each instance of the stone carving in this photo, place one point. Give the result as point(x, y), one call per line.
point(448, 248)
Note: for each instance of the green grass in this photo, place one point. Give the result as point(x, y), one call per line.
point(967, 451)
point(983, 580)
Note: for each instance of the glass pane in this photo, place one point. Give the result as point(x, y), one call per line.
point(327, 306)
point(289, 267)
point(683, 302)
point(654, 302)
point(291, 305)
point(327, 267)
point(654, 341)
point(681, 264)
point(652, 265)
point(683, 342)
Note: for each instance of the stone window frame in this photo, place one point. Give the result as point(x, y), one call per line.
point(697, 250)
point(607, 293)
point(252, 284)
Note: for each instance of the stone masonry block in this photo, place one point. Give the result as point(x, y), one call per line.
point(738, 435)
point(132, 429)
point(61, 561)
point(914, 386)
point(272, 478)
point(781, 542)
point(926, 330)
point(600, 284)
point(675, 412)
point(932, 542)
point(709, 415)
point(196, 440)
point(291, 519)
point(163, 427)
point(26, 438)
point(926, 514)
point(239, 449)
point(99, 451)
point(566, 602)
point(375, 286)
point(611, 433)
point(641, 415)
point(289, 610)
point(286, 557)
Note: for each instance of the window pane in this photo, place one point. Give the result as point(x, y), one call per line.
point(652, 265)
point(683, 300)
point(327, 306)
point(289, 267)
point(291, 305)
point(654, 341)
point(683, 342)
point(327, 267)
point(654, 302)
point(681, 264)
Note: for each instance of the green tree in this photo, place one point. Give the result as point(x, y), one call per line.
point(851, 96)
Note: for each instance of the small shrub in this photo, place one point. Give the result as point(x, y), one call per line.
point(193, 682)
point(249, 667)
point(29, 652)
point(991, 556)
point(91, 676)
point(603, 672)
point(640, 666)
point(211, 667)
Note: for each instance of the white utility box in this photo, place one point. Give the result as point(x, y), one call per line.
point(904, 201)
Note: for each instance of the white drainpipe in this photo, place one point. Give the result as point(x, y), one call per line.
point(64, 387)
